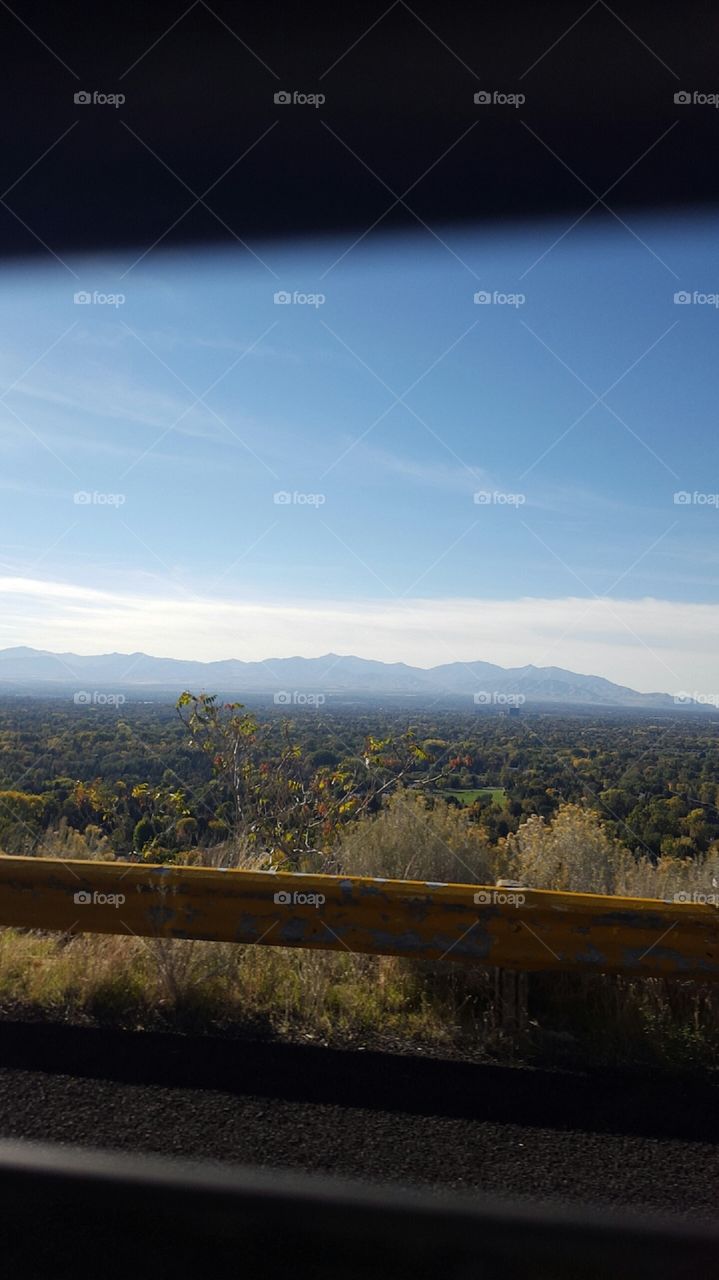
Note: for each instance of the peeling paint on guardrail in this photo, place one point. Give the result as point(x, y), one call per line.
point(473, 924)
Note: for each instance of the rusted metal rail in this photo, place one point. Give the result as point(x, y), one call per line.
point(527, 929)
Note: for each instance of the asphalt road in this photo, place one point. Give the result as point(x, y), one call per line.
point(624, 1140)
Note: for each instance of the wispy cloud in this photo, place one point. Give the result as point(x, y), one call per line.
point(437, 475)
point(108, 395)
point(165, 341)
point(647, 644)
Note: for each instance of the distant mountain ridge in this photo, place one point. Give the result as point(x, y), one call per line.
point(332, 674)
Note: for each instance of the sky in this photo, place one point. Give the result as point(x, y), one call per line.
point(381, 465)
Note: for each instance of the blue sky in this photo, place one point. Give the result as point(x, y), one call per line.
point(183, 411)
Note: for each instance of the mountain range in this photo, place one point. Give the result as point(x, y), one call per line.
point(332, 675)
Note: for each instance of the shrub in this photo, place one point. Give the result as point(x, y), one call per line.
point(571, 853)
point(408, 840)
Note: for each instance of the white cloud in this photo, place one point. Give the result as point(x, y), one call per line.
point(647, 644)
point(167, 341)
point(109, 395)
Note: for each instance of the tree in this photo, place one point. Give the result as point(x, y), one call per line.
point(279, 804)
point(21, 821)
point(142, 835)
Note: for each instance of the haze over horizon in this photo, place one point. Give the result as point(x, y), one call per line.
point(300, 680)
point(421, 633)
point(164, 655)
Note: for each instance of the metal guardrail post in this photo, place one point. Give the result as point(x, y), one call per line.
point(511, 987)
point(511, 996)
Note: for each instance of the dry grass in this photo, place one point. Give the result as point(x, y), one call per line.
point(202, 986)
point(326, 996)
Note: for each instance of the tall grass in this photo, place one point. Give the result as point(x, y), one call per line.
point(326, 996)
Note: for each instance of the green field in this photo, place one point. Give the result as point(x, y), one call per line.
point(497, 794)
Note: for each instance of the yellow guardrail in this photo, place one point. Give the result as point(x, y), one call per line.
point(523, 929)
